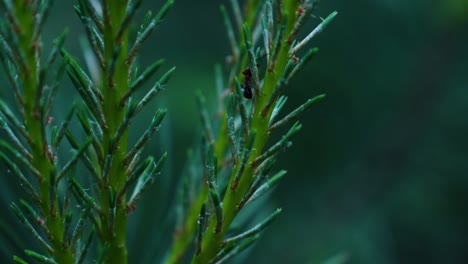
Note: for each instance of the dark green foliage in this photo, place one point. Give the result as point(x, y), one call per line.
point(246, 125)
point(80, 201)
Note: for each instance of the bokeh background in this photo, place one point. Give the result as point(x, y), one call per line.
point(379, 172)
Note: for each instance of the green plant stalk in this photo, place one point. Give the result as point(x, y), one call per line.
point(183, 236)
point(212, 240)
point(114, 236)
point(222, 140)
point(33, 123)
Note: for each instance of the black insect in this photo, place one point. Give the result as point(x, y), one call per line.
point(247, 91)
point(247, 85)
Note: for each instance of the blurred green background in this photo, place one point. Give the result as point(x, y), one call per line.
point(379, 171)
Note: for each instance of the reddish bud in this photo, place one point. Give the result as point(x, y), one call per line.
point(295, 59)
point(36, 114)
point(131, 208)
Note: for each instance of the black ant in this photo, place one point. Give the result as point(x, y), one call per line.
point(246, 86)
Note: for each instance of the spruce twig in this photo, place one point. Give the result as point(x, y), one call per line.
point(85, 248)
point(19, 260)
point(282, 143)
point(8, 114)
point(224, 256)
point(255, 230)
point(208, 130)
point(314, 32)
point(29, 226)
point(146, 31)
point(84, 198)
point(213, 190)
point(278, 106)
point(77, 232)
point(150, 71)
point(243, 164)
point(266, 186)
point(39, 257)
point(144, 139)
point(73, 161)
point(231, 130)
point(201, 229)
point(230, 33)
point(84, 158)
point(300, 65)
point(294, 115)
point(63, 127)
point(158, 86)
point(237, 13)
point(9, 132)
point(22, 179)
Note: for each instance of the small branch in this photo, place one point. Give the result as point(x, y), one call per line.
point(314, 33)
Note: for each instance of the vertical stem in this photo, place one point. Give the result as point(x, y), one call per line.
point(114, 87)
point(212, 240)
point(184, 237)
point(34, 123)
